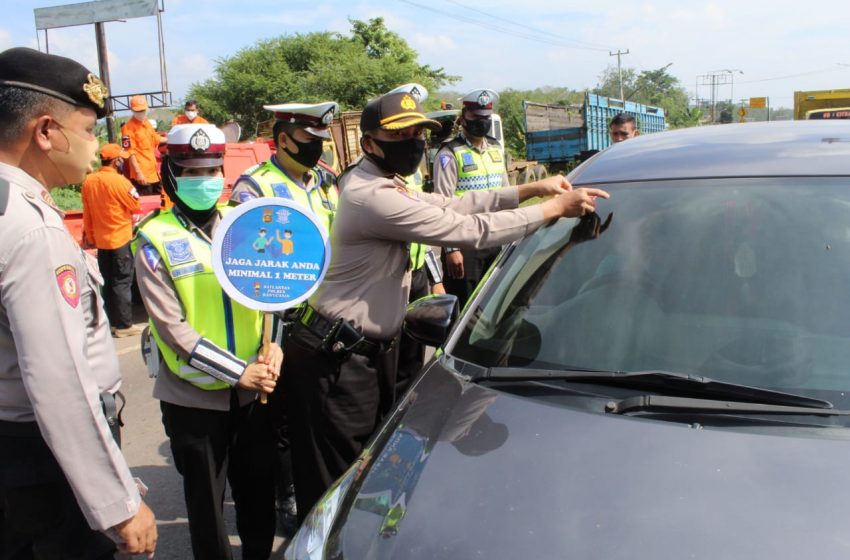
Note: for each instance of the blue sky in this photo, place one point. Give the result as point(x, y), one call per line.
point(502, 43)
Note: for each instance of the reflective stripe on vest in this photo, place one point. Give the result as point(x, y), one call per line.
point(209, 311)
point(417, 250)
point(478, 171)
point(273, 181)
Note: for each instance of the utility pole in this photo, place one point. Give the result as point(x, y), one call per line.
point(618, 54)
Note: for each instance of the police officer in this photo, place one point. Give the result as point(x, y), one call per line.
point(208, 373)
point(63, 479)
point(340, 357)
point(293, 172)
point(426, 273)
point(472, 161)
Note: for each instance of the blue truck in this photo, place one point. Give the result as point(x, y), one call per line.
point(561, 136)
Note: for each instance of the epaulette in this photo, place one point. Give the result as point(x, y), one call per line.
point(145, 220)
point(4, 195)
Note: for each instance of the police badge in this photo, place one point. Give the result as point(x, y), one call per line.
point(200, 141)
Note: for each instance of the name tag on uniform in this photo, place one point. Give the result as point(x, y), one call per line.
point(179, 251)
point(281, 190)
point(495, 156)
point(187, 270)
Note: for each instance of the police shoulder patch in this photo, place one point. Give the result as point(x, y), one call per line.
point(151, 256)
point(179, 251)
point(445, 159)
point(245, 196)
point(407, 192)
point(69, 287)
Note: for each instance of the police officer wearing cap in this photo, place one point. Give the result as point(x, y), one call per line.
point(426, 272)
point(341, 364)
point(63, 479)
point(205, 355)
point(472, 161)
point(293, 172)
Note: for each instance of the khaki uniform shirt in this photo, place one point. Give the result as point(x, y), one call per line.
point(56, 351)
point(368, 280)
point(165, 310)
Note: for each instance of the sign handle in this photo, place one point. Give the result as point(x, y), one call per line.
point(267, 345)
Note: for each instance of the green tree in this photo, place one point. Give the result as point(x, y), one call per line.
point(312, 67)
point(658, 88)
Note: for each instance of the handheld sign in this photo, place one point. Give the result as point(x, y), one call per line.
point(270, 254)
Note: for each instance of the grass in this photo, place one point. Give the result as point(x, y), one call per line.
point(68, 198)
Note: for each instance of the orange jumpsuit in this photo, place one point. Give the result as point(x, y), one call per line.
point(141, 140)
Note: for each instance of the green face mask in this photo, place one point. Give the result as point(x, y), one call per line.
point(200, 193)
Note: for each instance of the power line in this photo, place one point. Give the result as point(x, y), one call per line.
point(824, 70)
point(500, 29)
point(594, 46)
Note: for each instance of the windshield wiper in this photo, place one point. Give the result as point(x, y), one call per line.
point(660, 403)
point(667, 381)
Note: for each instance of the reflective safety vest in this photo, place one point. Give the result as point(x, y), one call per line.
point(226, 323)
point(417, 250)
point(270, 179)
point(478, 171)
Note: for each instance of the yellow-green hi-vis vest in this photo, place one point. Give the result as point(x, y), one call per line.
point(225, 323)
point(271, 180)
point(478, 171)
point(417, 250)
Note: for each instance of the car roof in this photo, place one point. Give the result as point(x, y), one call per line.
point(774, 149)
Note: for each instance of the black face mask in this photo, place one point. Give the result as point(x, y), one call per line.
point(477, 128)
point(308, 152)
point(401, 157)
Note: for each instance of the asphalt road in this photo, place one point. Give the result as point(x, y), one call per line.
point(147, 450)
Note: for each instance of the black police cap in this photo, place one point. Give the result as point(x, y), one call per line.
point(394, 111)
point(53, 75)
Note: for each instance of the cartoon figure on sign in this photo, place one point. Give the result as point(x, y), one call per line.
point(261, 242)
point(287, 247)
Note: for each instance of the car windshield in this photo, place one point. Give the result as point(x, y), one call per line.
point(740, 280)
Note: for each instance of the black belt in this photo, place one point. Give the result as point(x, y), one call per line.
point(340, 336)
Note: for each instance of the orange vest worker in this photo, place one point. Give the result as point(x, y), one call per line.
point(140, 139)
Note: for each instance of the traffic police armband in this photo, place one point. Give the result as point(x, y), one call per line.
point(219, 363)
point(435, 271)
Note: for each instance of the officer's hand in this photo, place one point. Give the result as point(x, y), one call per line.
point(138, 534)
point(273, 360)
point(454, 263)
point(438, 289)
point(556, 184)
point(256, 377)
point(573, 204)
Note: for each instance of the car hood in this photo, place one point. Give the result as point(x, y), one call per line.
point(463, 471)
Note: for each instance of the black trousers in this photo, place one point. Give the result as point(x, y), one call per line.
point(116, 266)
point(209, 446)
point(475, 265)
point(334, 407)
point(39, 515)
point(411, 354)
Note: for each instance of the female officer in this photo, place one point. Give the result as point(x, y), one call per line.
point(209, 371)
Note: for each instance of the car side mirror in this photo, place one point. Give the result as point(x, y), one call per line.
point(429, 319)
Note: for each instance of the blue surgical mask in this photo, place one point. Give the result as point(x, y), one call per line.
point(200, 193)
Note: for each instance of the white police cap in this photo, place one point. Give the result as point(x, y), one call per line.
point(196, 145)
point(480, 101)
point(417, 91)
point(315, 118)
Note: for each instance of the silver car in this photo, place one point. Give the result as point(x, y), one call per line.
point(666, 378)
